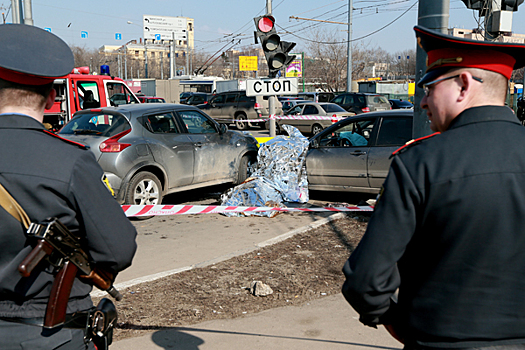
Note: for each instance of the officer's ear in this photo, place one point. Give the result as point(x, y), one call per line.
point(50, 100)
point(465, 85)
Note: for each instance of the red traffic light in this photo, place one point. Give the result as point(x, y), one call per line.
point(265, 24)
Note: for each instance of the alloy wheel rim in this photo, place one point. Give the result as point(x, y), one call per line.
point(146, 193)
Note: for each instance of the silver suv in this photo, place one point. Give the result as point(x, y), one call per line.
point(149, 150)
point(233, 107)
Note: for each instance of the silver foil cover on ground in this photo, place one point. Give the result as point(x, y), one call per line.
point(280, 175)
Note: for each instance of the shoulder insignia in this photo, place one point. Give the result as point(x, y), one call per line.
point(412, 143)
point(66, 140)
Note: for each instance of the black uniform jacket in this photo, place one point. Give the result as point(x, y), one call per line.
point(50, 177)
point(449, 232)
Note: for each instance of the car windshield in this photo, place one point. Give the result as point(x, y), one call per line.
point(332, 108)
point(377, 100)
point(98, 124)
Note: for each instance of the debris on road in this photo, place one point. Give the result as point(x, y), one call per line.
point(280, 175)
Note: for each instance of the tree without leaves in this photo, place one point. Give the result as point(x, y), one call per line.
point(325, 64)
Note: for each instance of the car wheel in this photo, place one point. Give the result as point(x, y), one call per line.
point(316, 129)
point(144, 189)
point(243, 169)
point(241, 124)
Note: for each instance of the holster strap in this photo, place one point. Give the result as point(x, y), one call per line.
point(77, 320)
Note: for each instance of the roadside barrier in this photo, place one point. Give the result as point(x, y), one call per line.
point(157, 210)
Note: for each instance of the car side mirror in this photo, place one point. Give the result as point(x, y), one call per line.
point(223, 128)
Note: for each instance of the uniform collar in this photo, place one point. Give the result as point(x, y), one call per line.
point(19, 121)
point(484, 114)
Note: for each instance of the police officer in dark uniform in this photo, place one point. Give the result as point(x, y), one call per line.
point(447, 238)
point(49, 177)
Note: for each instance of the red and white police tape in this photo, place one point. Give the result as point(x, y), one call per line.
point(155, 210)
point(290, 117)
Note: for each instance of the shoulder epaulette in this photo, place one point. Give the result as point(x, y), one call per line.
point(412, 143)
point(66, 140)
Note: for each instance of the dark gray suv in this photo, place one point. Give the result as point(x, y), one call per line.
point(150, 150)
point(360, 102)
point(233, 107)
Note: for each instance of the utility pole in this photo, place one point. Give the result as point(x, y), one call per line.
point(126, 62)
point(28, 18)
point(349, 49)
point(162, 64)
point(432, 14)
point(119, 63)
point(188, 56)
point(16, 11)
point(172, 56)
point(146, 59)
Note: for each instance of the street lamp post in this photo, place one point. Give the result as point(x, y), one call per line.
point(145, 52)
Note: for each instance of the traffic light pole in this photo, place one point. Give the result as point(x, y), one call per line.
point(432, 14)
point(271, 105)
point(271, 99)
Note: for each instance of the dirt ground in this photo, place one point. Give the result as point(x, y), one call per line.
point(299, 269)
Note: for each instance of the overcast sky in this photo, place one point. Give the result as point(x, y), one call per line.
point(217, 22)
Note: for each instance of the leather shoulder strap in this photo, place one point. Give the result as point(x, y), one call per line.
point(12, 207)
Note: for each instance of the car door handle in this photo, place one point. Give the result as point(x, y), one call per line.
point(198, 144)
point(358, 153)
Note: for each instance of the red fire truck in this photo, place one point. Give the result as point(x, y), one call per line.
point(81, 90)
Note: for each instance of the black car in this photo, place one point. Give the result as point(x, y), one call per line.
point(198, 98)
point(400, 104)
point(184, 96)
point(353, 155)
point(360, 102)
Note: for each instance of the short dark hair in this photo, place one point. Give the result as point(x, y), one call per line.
point(21, 94)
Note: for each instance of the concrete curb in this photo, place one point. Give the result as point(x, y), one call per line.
point(280, 238)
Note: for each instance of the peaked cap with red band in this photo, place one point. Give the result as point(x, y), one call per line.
point(446, 51)
point(32, 56)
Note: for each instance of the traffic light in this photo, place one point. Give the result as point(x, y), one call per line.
point(473, 4)
point(504, 5)
point(275, 50)
point(510, 5)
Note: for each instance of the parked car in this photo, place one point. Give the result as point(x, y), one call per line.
point(317, 96)
point(199, 98)
point(288, 98)
point(400, 104)
point(360, 102)
point(184, 96)
point(353, 155)
point(233, 107)
point(290, 104)
point(151, 99)
point(312, 126)
point(150, 150)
